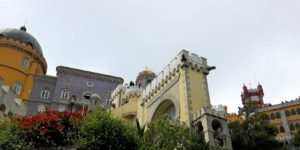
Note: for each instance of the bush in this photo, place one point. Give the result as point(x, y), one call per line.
point(49, 129)
point(101, 131)
point(162, 135)
point(9, 138)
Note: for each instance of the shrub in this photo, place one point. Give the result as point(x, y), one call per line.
point(101, 131)
point(162, 135)
point(9, 138)
point(49, 129)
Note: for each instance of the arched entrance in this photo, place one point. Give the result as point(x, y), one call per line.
point(166, 107)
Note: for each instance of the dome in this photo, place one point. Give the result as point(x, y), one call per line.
point(21, 35)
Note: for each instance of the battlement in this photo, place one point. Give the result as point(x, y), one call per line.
point(208, 110)
point(120, 88)
point(191, 59)
point(281, 105)
point(133, 91)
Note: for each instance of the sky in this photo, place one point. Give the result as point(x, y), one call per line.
point(248, 41)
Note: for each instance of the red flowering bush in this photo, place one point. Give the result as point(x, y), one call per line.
point(49, 129)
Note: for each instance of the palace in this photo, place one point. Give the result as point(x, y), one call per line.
point(25, 89)
point(284, 116)
point(180, 90)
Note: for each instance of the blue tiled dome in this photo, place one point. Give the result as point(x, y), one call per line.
point(21, 35)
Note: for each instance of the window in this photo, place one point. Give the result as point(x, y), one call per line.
point(297, 125)
point(65, 94)
point(293, 112)
point(278, 115)
point(45, 93)
point(89, 83)
point(87, 95)
point(272, 116)
point(17, 88)
point(1, 82)
point(287, 113)
point(281, 129)
point(25, 62)
point(292, 127)
point(298, 111)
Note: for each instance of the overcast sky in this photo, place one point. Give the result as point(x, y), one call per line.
point(248, 41)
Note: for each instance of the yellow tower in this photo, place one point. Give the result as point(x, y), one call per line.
point(21, 57)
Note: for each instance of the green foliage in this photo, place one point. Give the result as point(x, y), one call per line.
point(296, 138)
point(9, 138)
point(161, 135)
point(255, 132)
point(101, 131)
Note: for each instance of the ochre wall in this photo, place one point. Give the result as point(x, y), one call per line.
point(12, 53)
point(198, 90)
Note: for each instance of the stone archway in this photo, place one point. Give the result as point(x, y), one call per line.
point(166, 107)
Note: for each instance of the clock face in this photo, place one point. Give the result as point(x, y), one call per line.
point(254, 98)
point(61, 108)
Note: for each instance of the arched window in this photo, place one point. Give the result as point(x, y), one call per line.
point(292, 127)
point(287, 113)
point(278, 115)
point(293, 112)
point(45, 93)
point(65, 94)
point(1, 82)
point(281, 129)
point(87, 94)
point(298, 111)
point(272, 116)
point(17, 87)
point(297, 126)
point(25, 62)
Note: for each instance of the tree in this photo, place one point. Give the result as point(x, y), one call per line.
point(254, 132)
point(296, 138)
point(100, 130)
point(161, 135)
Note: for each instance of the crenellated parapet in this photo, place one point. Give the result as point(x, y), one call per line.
point(46, 78)
point(88, 74)
point(208, 111)
point(120, 89)
point(182, 59)
point(279, 106)
point(133, 91)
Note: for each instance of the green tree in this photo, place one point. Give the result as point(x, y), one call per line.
point(9, 135)
point(296, 138)
point(255, 132)
point(100, 130)
point(161, 135)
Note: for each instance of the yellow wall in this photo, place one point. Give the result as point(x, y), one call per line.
point(199, 95)
point(11, 69)
point(128, 108)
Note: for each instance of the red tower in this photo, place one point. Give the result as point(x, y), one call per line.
point(253, 95)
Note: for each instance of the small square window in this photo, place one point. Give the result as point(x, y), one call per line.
point(25, 62)
point(89, 83)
